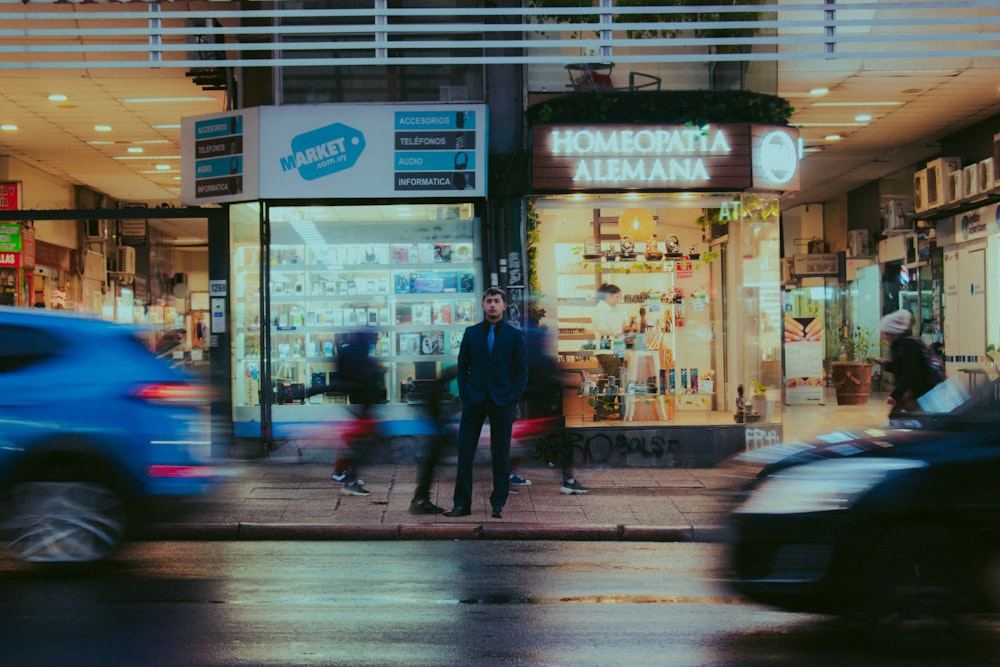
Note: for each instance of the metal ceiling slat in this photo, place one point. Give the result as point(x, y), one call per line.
point(926, 23)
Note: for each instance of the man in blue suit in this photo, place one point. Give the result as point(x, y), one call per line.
point(492, 373)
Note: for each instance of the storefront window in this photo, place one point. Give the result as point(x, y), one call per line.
point(246, 311)
point(406, 273)
point(670, 361)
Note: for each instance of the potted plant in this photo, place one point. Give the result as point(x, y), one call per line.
point(852, 374)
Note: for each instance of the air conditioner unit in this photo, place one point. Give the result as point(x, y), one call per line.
point(985, 175)
point(970, 181)
point(919, 191)
point(894, 216)
point(996, 160)
point(858, 244)
point(938, 174)
point(123, 261)
point(956, 186)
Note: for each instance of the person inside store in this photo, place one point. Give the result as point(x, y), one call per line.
point(609, 324)
point(492, 372)
point(906, 363)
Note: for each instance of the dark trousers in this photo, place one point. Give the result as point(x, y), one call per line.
point(425, 475)
point(501, 425)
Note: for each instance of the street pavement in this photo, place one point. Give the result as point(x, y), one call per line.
point(290, 497)
point(287, 500)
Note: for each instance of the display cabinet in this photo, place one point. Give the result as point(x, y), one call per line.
point(417, 299)
point(666, 353)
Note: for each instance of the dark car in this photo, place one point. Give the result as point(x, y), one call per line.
point(898, 522)
point(96, 435)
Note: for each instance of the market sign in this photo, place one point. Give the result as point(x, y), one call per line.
point(324, 151)
point(728, 157)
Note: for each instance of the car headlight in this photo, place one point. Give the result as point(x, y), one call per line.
point(823, 486)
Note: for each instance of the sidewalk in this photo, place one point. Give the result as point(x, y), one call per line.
point(291, 499)
point(270, 500)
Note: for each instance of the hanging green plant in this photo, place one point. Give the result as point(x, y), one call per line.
point(533, 234)
point(694, 107)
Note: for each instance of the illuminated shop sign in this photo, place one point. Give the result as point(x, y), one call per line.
point(323, 151)
point(653, 157)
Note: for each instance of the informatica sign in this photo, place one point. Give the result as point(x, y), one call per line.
point(334, 151)
point(728, 157)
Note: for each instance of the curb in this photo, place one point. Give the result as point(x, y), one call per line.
point(458, 531)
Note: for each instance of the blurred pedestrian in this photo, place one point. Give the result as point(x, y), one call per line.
point(438, 408)
point(543, 403)
point(492, 374)
point(907, 363)
point(361, 378)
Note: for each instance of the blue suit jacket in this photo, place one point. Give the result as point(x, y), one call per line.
point(502, 375)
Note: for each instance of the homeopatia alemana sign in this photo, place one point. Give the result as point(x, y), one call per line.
point(728, 157)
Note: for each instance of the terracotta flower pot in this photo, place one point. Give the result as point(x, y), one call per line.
point(852, 381)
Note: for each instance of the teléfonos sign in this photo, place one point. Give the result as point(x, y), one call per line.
point(672, 157)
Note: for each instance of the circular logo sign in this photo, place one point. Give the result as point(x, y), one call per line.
point(778, 156)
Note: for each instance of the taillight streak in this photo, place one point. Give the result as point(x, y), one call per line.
point(183, 472)
point(176, 393)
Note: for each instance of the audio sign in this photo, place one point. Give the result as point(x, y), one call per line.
point(669, 157)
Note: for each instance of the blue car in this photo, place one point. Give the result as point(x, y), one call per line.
point(95, 434)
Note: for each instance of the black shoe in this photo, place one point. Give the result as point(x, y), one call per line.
point(496, 513)
point(424, 507)
point(458, 510)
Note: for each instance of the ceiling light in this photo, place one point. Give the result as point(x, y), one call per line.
point(7, 127)
point(135, 149)
point(56, 97)
point(167, 126)
point(857, 104)
point(163, 167)
point(830, 124)
point(163, 100)
point(863, 118)
point(833, 137)
point(819, 91)
point(102, 128)
point(148, 157)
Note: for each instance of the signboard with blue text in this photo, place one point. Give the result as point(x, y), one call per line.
point(330, 151)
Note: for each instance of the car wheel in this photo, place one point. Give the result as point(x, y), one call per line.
point(915, 604)
point(62, 521)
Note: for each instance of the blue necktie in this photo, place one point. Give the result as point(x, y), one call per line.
point(489, 338)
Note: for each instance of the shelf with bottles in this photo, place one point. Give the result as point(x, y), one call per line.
point(591, 259)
